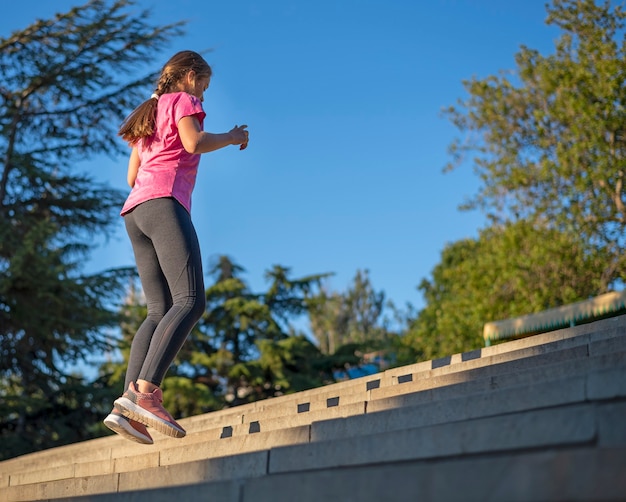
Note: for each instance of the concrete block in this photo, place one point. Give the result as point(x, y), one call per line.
point(534, 340)
point(285, 422)
point(516, 350)
point(226, 491)
point(319, 402)
point(419, 392)
point(60, 456)
point(608, 345)
point(391, 376)
point(42, 475)
point(604, 328)
point(580, 474)
point(247, 465)
point(607, 384)
point(515, 361)
point(532, 350)
point(384, 415)
point(200, 423)
point(593, 331)
point(96, 468)
point(363, 383)
point(560, 370)
point(478, 380)
point(23, 493)
point(488, 368)
point(235, 445)
point(122, 447)
point(161, 441)
point(137, 462)
point(295, 403)
point(565, 426)
point(334, 398)
point(612, 426)
point(77, 487)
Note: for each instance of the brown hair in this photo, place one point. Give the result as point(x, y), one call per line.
point(141, 122)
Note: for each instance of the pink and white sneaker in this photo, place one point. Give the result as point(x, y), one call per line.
point(147, 409)
point(125, 427)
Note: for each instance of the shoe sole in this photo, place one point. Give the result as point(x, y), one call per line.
point(137, 413)
point(121, 426)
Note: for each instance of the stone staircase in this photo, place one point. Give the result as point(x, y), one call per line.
point(537, 419)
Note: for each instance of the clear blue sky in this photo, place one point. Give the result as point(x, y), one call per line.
point(347, 142)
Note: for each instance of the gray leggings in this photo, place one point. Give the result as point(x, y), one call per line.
point(168, 260)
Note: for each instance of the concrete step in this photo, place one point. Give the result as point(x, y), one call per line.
point(567, 387)
point(527, 476)
point(563, 426)
point(371, 388)
point(445, 385)
point(519, 349)
point(504, 375)
point(548, 366)
point(567, 428)
point(568, 337)
point(563, 391)
point(512, 477)
point(334, 398)
point(601, 384)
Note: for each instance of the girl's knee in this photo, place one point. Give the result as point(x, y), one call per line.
point(199, 305)
point(194, 304)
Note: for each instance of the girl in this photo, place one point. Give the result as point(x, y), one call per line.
point(167, 139)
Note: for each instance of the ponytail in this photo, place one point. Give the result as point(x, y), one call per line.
point(141, 122)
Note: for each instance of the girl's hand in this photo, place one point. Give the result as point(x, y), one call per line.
point(240, 136)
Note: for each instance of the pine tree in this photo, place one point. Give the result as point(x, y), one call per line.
point(65, 85)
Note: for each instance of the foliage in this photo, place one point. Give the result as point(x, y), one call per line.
point(355, 317)
point(285, 366)
point(243, 349)
point(62, 93)
point(549, 144)
point(510, 270)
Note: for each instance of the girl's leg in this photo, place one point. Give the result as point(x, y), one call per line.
point(176, 252)
point(168, 259)
point(156, 291)
point(158, 302)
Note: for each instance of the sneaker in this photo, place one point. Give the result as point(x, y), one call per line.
point(130, 429)
point(147, 409)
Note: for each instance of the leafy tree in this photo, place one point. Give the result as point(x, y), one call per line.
point(549, 142)
point(239, 325)
point(355, 317)
point(63, 91)
point(510, 270)
point(243, 349)
point(285, 366)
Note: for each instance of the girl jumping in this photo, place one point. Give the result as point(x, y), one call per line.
point(166, 135)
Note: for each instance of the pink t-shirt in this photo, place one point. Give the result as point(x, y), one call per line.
point(166, 169)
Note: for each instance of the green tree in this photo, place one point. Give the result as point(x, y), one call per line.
point(63, 91)
point(549, 141)
point(240, 324)
point(289, 365)
point(243, 349)
point(510, 270)
point(353, 317)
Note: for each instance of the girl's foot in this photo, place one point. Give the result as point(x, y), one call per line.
point(147, 409)
point(125, 427)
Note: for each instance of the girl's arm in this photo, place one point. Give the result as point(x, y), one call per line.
point(195, 140)
point(133, 167)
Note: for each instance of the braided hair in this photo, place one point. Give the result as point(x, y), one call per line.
point(142, 120)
